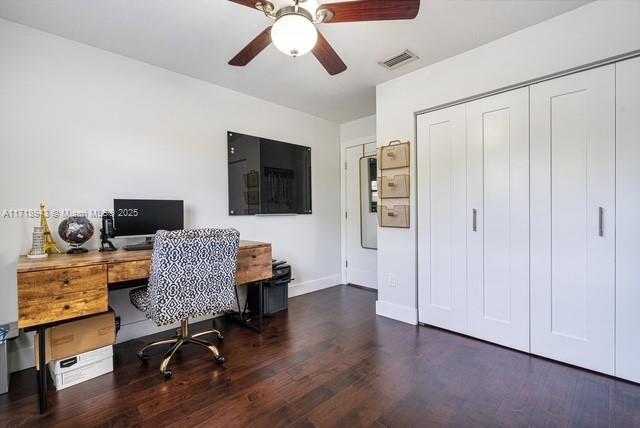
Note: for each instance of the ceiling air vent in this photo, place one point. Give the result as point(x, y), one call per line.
point(397, 60)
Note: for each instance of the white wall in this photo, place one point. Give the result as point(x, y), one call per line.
point(80, 126)
point(359, 131)
point(593, 32)
point(364, 128)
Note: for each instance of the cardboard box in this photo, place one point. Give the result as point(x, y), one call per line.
point(79, 368)
point(76, 337)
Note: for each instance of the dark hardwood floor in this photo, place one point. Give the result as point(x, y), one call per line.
point(330, 361)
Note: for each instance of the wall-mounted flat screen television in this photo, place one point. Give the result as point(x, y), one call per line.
point(268, 176)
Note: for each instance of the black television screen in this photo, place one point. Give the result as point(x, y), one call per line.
point(268, 176)
point(136, 217)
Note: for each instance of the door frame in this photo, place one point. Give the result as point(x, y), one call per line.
point(344, 145)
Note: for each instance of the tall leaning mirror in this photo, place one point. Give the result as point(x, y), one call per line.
point(368, 202)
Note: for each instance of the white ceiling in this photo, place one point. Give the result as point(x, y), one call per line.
point(198, 37)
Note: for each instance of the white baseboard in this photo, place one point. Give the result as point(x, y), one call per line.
point(314, 285)
point(397, 312)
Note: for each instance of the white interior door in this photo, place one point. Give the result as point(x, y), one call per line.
point(498, 218)
point(572, 218)
point(628, 219)
point(361, 262)
point(442, 222)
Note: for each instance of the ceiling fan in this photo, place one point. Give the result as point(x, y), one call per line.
point(294, 30)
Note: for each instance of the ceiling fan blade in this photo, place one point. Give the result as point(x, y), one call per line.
point(372, 10)
point(252, 50)
point(328, 57)
point(248, 3)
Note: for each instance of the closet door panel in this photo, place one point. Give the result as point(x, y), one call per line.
point(628, 219)
point(441, 218)
point(498, 236)
point(572, 218)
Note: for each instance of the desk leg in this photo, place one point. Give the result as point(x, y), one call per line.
point(240, 318)
point(261, 302)
point(240, 312)
point(42, 370)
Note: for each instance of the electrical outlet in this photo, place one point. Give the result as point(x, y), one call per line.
point(391, 280)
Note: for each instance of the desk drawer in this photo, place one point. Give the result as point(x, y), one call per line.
point(63, 307)
point(254, 264)
point(128, 271)
point(51, 283)
point(58, 294)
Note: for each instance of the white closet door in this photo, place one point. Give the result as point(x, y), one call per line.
point(442, 218)
point(628, 220)
point(572, 218)
point(498, 236)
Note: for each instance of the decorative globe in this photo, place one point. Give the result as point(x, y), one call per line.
point(76, 230)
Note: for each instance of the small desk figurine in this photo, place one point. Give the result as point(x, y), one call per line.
point(37, 245)
point(48, 244)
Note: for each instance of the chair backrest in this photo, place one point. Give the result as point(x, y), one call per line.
point(193, 273)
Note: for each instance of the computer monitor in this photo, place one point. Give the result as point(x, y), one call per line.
point(140, 217)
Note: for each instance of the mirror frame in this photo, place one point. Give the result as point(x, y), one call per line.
point(368, 198)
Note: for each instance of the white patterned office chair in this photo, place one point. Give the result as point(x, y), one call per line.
point(193, 273)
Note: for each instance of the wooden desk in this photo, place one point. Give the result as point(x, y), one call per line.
point(64, 287)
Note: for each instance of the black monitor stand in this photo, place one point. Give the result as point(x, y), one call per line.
point(146, 245)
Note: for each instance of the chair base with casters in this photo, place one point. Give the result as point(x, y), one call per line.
point(178, 341)
point(140, 299)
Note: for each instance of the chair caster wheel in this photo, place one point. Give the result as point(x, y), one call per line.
point(167, 373)
point(143, 356)
point(220, 360)
point(221, 338)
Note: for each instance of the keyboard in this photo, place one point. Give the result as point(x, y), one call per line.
point(139, 247)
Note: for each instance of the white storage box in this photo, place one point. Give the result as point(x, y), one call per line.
point(79, 368)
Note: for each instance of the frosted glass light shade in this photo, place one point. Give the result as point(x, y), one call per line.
point(294, 34)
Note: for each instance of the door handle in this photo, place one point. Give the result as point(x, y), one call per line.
point(475, 220)
point(600, 221)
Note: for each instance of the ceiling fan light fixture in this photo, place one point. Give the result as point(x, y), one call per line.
point(293, 33)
